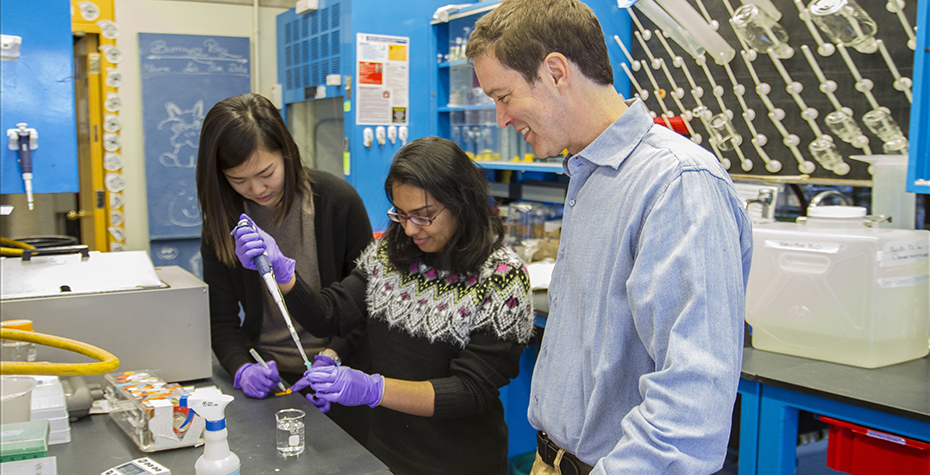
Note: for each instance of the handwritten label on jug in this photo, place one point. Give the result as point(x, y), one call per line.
point(904, 253)
point(808, 246)
point(906, 281)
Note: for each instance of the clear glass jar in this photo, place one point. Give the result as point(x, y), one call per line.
point(15, 350)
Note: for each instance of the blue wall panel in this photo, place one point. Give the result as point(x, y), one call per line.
point(368, 166)
point(38, 89)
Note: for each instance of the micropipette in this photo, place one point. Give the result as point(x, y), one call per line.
point(263, 265)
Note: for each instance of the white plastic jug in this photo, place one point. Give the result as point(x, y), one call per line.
point(832, 288)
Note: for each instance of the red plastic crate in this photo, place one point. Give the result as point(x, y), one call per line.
point(677, 123)
point(858, 450)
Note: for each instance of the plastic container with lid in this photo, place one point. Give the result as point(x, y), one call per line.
point(833, 288)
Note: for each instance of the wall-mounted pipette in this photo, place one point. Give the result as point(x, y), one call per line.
point(25, 140)
point(263, 266)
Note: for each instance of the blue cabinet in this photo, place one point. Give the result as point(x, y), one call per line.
point(319, 46)
point(918, 171)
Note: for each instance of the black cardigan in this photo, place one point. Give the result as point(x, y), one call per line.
point(342, 233)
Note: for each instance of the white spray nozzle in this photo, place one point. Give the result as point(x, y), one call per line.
point(210, 403)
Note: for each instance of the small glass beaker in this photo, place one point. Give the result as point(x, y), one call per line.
point(723, 132)
point(290, 431)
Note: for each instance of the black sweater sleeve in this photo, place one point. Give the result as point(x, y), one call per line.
point(334, 311)
point(226, 288)
point(486, 364)
point(343, 228)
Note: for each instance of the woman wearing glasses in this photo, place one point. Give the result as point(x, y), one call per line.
point(448, 314)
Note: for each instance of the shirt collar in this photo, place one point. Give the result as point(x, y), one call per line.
point(619, 140)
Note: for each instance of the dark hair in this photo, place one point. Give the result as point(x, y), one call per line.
point(233, 130)
point(521, 33)
point(442, 169)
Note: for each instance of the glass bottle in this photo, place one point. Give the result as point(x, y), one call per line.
point(846, 23)
point(761, 32)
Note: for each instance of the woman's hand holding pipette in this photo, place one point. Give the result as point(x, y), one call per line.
point(253, 242)
point(256, 381)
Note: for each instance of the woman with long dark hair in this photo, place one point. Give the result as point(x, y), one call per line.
point(448, 314)
point(248, 163)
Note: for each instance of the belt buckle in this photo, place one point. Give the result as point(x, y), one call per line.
point(549, 451)
point(567, 462)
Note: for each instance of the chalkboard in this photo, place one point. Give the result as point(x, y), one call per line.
point(870, 66)
point(183, 76)
point(177, 252)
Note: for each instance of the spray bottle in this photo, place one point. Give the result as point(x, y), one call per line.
point(217, 459)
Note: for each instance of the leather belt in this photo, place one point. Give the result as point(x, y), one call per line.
point(568, 463)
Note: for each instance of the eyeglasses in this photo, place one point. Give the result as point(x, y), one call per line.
point(418, 220)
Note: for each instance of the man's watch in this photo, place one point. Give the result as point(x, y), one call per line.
point(331, 354)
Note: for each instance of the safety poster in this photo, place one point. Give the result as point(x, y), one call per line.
point(383, 85)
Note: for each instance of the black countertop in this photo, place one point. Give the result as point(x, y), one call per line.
point(98, 443)
point(902, 389)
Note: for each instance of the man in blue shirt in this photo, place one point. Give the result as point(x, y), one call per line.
point(640, 362)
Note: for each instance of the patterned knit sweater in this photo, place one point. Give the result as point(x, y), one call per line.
point(447, 307)
point(464, 335)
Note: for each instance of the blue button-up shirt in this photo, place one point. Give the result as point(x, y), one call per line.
point(640, 360)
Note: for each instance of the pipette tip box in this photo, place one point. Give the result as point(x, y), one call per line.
point(23, 440)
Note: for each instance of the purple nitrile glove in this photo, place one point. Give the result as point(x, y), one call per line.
point(319, 361)
point(251, 243)
point(322, 360)
point(347, 386)
point(256, 381)
point(320, 404)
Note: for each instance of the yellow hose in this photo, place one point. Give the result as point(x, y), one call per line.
point(106, 362)
point(13, 248)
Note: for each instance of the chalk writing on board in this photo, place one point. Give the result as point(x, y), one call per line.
point(185, 134)
point(183, 209)
point(182, 77)
point(209, 57)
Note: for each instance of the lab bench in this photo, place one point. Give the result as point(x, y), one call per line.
point(97, 442)
point(774, 387)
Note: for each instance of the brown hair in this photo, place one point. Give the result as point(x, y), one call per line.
point(233, 130)
point(521, 33)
